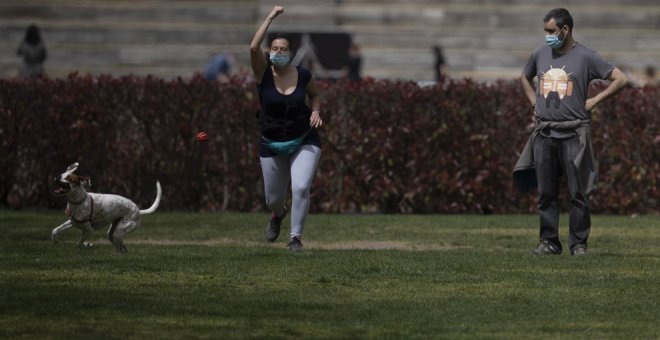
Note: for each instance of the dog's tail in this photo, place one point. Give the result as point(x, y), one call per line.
point(154, 206)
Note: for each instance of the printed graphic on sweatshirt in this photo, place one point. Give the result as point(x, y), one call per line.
point(556, 84)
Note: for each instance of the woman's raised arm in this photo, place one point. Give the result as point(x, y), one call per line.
point(257, 58)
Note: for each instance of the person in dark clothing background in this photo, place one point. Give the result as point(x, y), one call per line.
point(219, 68)
point(439, 64)
point(354, 62)
point(33, 51)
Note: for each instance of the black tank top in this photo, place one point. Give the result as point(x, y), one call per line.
point(284, 117)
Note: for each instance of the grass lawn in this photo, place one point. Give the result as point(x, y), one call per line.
point(360, 276)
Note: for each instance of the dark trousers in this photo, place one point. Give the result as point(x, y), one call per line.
point(554, 159)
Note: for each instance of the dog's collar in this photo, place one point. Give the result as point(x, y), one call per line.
point(91, 210)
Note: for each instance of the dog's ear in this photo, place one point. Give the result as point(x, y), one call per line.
point(72, 167)
point(69, 171)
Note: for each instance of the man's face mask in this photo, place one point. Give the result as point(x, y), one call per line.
point(279, 59)
point(554, 41)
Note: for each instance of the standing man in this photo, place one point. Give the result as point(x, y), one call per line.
point(560, 145)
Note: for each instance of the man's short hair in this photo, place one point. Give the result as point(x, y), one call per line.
point(562, 17)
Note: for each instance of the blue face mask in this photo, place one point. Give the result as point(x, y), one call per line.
point(279, 59)
point(553, 40)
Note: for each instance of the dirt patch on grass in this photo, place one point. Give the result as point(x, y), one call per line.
point(311, 245)
point(385, 245)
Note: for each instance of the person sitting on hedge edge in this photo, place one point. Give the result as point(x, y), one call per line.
point(290, 146)
point(561, 142)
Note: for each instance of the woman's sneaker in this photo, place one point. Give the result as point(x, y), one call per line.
point(273, 229)
point(545, 248)
point(579, 251)
point(295, 245)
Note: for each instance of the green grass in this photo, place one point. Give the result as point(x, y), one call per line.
point(360, 276)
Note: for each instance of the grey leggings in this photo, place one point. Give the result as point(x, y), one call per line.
point(299, 168)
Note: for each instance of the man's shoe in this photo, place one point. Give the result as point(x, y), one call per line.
point(295, 245)
point(273, 230)
point(579, 251)
point(545, 248)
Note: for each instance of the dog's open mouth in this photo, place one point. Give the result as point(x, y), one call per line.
point(61, 188)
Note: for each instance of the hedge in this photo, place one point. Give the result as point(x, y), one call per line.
point(388, 146)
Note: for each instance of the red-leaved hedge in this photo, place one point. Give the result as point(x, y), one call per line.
point(388, 146)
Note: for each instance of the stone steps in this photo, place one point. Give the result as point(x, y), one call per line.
point(140, 10)
point(418, 63)
point(495, 17)
point(164, 38)
point(501, 3)
point(483, 39)
point(132, 33)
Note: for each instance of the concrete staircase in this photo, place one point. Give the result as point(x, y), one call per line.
point(163, 38)
point(482, 39)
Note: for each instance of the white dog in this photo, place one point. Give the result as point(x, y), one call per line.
point(90, 211)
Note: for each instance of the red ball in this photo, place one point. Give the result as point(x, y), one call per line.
point(202, 137)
